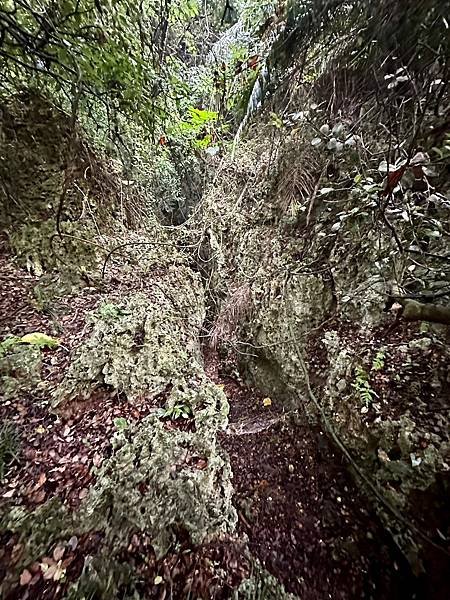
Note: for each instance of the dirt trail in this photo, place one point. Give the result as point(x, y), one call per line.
point(303, 514)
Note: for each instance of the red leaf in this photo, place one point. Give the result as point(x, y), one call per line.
point(252, 62)
point(392, 180)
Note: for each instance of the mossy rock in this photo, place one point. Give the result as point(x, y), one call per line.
point(20, 370)
point(141, 345)
point(261, 585)
point(162, 480)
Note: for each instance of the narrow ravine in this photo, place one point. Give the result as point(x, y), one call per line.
point(224, 300)
point(304, 516)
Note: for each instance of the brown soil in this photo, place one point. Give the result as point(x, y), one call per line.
point(304, 516)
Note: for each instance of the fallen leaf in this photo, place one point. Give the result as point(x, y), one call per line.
point(35, 568)
point(59, 573)
point(158, 580)
point(26, 577)
point(38, 497)
point(36, 578)
point(267, 402)
point(9, 494)
point(83, 493)
point(42, 479)
point(58, 552)
point(40, 429)
point(50, 572)
point(97, 460)
point(16, 552)
point(39, 339)
point(201, 464)
point(73, 542)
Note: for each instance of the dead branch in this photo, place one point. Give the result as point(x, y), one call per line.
point(416, 311)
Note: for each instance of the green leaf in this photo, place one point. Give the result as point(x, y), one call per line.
point(200, 117)
point(120, 423)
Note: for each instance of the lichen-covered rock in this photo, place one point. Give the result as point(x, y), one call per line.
point(319, 265)
point(40, 248)
point(305, 303)
point(261, 586)
point(405, 453)
point(52, 189)
point(166, 477)
point(162, 480)
point(142, 344)
point(20, 370)
point(102, 578)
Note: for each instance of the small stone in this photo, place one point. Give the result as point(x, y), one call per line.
point(291, 468)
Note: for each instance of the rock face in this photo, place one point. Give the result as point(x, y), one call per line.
point(301, 282)
point(164, 482)
point(46, 171)
point(20, 369)
point(165, 475)
point(142, 344)
point(319, 266)
point(161, 479)
point(146, 346)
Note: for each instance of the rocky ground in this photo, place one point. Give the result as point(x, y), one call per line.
point(303, 517)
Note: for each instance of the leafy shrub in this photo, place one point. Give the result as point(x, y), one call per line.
point(110, 312)
point(378, 361)
point(362, 386)
point(177, 411)
point(120, 423)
